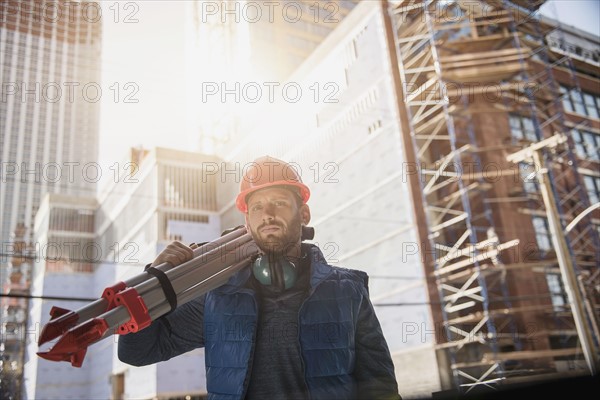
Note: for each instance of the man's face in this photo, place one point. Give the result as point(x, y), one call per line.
point(275, 219)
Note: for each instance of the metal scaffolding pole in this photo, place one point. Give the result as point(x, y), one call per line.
point(567, 269)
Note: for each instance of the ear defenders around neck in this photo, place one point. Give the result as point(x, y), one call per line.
point(275, 271)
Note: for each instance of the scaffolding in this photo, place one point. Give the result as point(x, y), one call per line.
point(14, 310)
point(458, 60)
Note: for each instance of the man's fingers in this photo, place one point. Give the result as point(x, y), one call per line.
point(173, 259)
point(175, 253)
point(181, 255)
point(180, 248)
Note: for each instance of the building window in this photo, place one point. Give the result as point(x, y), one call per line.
point(592, 105)
point(542, 233)
point(529, 178)
point(592, 187)
point(522, 128)
point(580, 102)
point(557, 291)
point(587, 144)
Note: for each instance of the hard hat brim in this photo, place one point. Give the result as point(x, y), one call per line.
point(240, 201)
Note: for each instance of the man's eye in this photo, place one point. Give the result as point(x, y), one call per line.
point(256, 207)
point(280, 203)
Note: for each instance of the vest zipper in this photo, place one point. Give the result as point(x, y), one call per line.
point(311, 291)
point(253, 347)
point(300, 347)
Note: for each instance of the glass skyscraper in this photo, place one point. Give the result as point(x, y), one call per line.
point(49, 110)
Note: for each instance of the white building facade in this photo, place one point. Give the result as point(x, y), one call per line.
point(164, 195)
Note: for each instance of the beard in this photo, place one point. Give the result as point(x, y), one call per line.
point(280, 243)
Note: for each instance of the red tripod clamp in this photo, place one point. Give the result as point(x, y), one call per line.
point(111, 292)
point(130, 299)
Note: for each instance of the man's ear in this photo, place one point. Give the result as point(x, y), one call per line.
point(305, 214)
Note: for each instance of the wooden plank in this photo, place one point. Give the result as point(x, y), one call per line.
point(469, 24)
point(471, 189)
point(472, 42)
point(449, 65)
point(529, 354)
point(477, 316)
point(420, 129)
point(467, 273)
point(480, 72)
point(400, 8)
point(487, 254)
point(488, 269)
point(423, 56)
point(470, 176)
point(472, 364)
point(484, 54)
point(440, 127)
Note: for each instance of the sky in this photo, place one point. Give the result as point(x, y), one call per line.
point(145, 101)
point(142, 59)
point(583, 14)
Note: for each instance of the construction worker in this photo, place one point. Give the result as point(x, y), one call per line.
point(289, 326)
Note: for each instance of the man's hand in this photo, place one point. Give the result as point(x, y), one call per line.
point(175, 253)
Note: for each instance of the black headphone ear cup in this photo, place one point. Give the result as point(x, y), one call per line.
point(261, 268)
point(290, 273)
point(276, 273)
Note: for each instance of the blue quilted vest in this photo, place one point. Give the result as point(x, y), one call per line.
point(327, 324)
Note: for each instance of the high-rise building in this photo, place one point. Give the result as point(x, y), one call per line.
point(288, 32)
point(236, 45)
point(166, 195)
point(49, 71)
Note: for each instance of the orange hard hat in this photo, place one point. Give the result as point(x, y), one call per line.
point(265, 172)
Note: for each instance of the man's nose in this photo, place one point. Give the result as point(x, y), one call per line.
point(269, 211)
